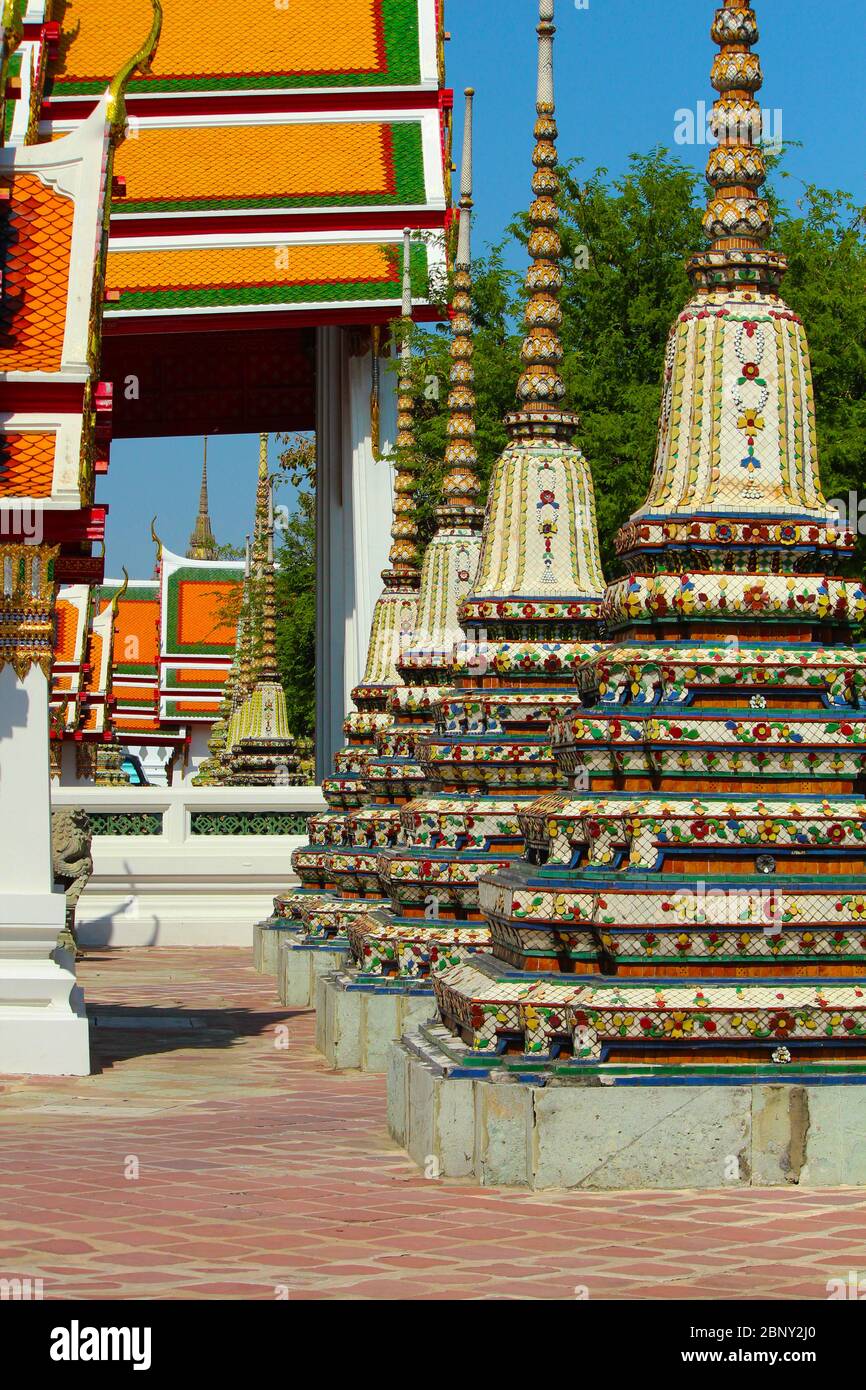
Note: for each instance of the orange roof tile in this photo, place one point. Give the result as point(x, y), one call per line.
point(318, 161)
point(125, 692)
point(26, 464)
point(36, 240)
point(214, 677)
point(247, 265)
point(66, 632)
point(201, 607)
point(135, 723)
point(95, 663)
point(135, 633)
point(219, 38)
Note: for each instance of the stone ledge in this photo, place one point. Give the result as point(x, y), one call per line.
point(268, 936)
point(301, 964)
point(502, 1131)
point(357, 1022)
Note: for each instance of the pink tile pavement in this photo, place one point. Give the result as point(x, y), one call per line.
point(205, 1161)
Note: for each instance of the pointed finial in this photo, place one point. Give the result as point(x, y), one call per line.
point(404, 531)
point(142, 60)
point(121, 593)
point(261, 515)
point(461, 486)
point(157, 542)
point(737, 221)
point(202, 496)
point(540, 388)
point(202, 543)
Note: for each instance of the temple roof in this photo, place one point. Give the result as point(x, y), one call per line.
point(307, 43)
point(36, 241)
point(278, 163)
point(164, 277)
point(233, 190)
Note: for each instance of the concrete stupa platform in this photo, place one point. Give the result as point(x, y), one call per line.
point(357, 1021)
point(301, 965)
point(515, 1126)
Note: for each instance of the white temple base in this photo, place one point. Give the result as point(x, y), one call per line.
point(356, 1024)
point(43, 1027)
point(301, 967)
point(604, 1137)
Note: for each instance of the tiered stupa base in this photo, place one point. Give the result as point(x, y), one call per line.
point(501, 1120)
point(490, 758)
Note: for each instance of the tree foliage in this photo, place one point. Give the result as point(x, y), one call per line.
point(296, 588)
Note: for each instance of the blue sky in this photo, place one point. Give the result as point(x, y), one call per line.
point(624, 70)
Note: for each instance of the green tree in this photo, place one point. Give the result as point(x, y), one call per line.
point(296, 589)
point(823, 238)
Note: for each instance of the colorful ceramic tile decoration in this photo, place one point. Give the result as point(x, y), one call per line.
point(531, 621)
point(333, 865)
point(393, 775)
point(695, 899)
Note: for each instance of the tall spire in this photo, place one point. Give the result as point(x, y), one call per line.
point(540, 388)
point(451, 558)
point(737, 221)
point(260, 541)
point(404, 551)
point(461, 486)
point(202, 545)
point(268, 670)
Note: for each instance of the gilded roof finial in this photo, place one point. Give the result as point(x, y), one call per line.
point(404, 551)
point(461, 486)
point(142, 59)
point(158, 543)
point(737, 221)
point(11, 33)
point(121, 593)
point(540, 388)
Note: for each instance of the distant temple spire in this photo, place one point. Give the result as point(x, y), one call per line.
point(202, 545)
point(268, 669)
point(404, 551)
point(461, 486)
point(540, 388)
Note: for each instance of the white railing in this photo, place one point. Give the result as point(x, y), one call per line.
point(186, 866)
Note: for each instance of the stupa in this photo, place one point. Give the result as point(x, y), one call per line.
point(260, 749)
point(319, 864)
point(393, 775)
point(215, 769)
point(202, 542)
point(531, 619)
point(697, 920)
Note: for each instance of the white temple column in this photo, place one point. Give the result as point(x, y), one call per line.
point(354, 498)
point(43, 1030)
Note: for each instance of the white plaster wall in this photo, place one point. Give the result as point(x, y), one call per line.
point(179, 889)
